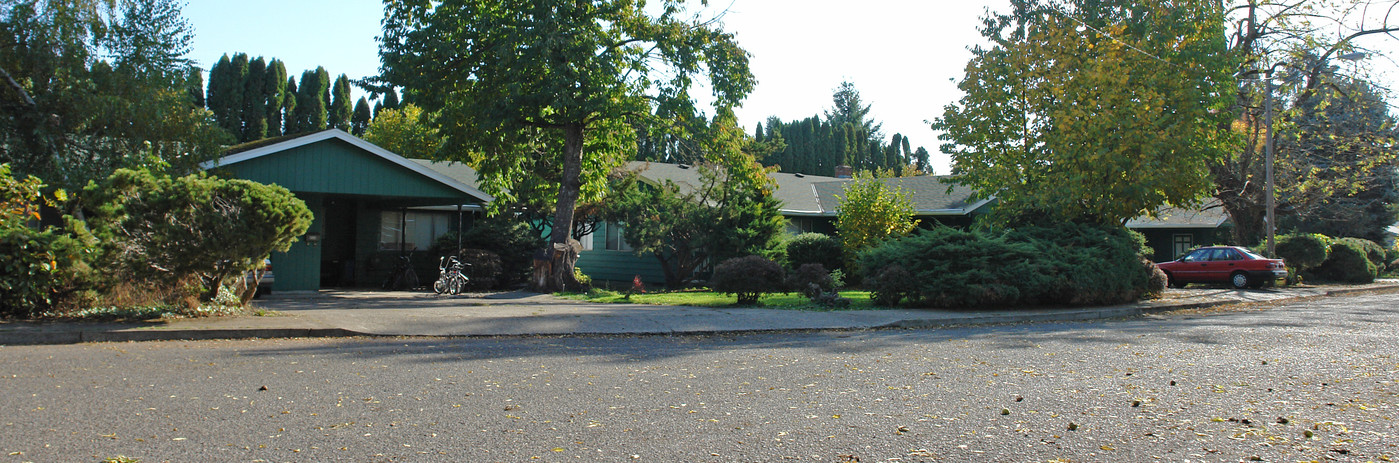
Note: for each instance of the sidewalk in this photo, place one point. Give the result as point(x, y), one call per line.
point(344, 313)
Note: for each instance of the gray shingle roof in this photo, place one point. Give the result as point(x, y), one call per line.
point(1209, 215)
point(815, 195)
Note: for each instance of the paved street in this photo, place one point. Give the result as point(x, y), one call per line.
point(1235, 385)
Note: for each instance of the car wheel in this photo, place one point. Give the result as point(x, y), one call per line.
point(1173, 282)
point(1239, 280)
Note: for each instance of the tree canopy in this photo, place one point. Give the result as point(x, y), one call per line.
point(1093, 111)
point(514, 77)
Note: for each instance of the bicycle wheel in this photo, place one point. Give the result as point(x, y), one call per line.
point(440, 286)
point(410, 279)
point(454, 283)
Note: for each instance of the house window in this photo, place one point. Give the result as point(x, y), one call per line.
point(418, 232)
point(615, 240)
point(1181, 244)
point(799, 225)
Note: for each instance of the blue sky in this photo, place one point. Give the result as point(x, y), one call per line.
point(904, 56)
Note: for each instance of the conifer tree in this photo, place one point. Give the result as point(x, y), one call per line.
point(391, 99)
point(194, 84)
point(219, 91)
point(236, 75)
point(254, 105)
point(290, 124)
point(360, 120)
point(312, 100)
point(275, 91)
point(340, 107)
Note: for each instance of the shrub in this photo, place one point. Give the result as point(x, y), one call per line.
point(1303, 251)
point(1067, 264)
point(41, 269)
point(811, 280)
point(891, 285)
point(1156, 285)
point(815, 248)
point(482, 269)
point(1347, 263)
point(814, 282)
point(513, 242)
point(195, 231)
point(748, 277)
point(1373, 251)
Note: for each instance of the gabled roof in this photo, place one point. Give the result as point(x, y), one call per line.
point(819, 196)
point(267, 147)
point(932, 195)
point(1209, 215)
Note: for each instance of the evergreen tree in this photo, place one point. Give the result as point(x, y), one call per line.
point(194, 84)
point(220, 93)
point(360, 120)
point(254, 106)
point(391, 99)
point(340, 107)
point(275, 92)
point(237, 75)
point(312, 99)
point(290, 124)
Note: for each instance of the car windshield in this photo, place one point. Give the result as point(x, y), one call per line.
point(1251, 254)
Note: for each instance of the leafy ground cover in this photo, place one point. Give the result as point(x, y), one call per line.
point(859, 300)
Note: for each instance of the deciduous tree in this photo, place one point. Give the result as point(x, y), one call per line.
point(1092, 111)
point(574, 69)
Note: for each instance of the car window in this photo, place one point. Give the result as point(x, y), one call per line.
point(1216, 254)
point(1228, 254)
point(1253, 255)
point(1197, 256)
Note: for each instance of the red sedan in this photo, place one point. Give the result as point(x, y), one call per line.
point(1237, 266)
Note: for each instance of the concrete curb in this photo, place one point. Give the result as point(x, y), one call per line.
point(79, 335)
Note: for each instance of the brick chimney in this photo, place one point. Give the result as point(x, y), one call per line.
point(844, 171)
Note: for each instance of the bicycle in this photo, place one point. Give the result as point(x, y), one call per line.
point(450, 279)
point(402, 277)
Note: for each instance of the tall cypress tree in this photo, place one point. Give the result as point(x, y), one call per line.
point(218, 96)
point(237, 75)
point(290, 124)
point(360, 120)
point(275, 91)
point(391, 99)
point(254, 113)
point(194, 84)
point(312, 100)
point(341, 109)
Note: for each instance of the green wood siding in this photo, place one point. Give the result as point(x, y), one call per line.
point(619, 266)
point(299, 269)
point(333, 166)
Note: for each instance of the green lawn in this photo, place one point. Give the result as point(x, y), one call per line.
point(859, 300)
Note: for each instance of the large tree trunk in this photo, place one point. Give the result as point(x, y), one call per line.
point(558, 275)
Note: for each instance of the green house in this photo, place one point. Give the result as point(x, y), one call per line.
point(370, 207)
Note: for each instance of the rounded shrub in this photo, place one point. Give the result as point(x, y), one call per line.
point(892, 285)
point(1303, 250)
point(812, 280)
point(1373, 251)
point(748, 277)
point(815, 248)
point(1347, 263)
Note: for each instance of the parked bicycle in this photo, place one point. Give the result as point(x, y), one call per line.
point(402, 277)
point(450, 278)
